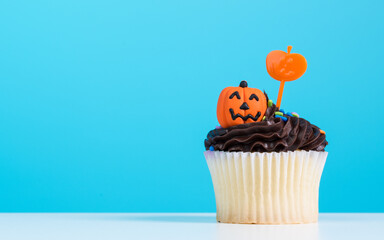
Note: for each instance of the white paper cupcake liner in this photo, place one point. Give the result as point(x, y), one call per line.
point(266, 188)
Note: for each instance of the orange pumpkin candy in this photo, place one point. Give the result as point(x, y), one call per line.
point(239, 105)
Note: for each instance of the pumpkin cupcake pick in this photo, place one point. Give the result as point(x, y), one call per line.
point(285, 67)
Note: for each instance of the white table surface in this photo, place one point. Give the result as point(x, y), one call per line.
point(180, 226)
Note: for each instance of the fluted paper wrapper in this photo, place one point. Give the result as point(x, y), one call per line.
point(266, 188)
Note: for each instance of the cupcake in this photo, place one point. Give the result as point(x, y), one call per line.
point(265, 163)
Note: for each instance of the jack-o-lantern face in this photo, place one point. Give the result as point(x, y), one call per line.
point(239, 105)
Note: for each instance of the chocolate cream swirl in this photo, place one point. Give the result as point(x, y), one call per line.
point(270, 135)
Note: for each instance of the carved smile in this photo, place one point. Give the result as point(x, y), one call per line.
point(254, 118)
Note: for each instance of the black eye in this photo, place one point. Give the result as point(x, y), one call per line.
point(235, 94)
point(253, 96)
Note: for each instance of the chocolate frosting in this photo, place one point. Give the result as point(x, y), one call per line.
point(270, 135)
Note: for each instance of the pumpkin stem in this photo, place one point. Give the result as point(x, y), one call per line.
point(243, 84)
point(289, 49)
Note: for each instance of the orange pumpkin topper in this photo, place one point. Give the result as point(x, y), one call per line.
point(285, 67)
point(239, 105)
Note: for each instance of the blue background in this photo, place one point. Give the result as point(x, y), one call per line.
point(104, 105)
